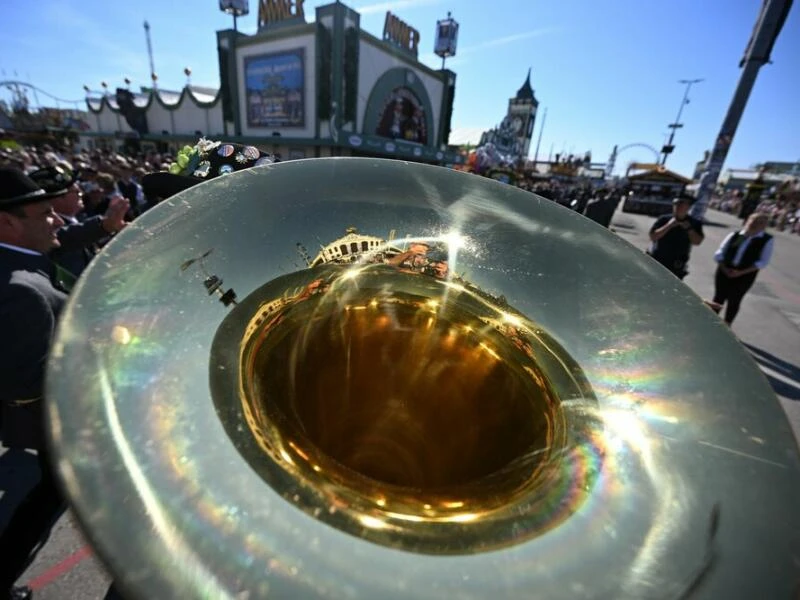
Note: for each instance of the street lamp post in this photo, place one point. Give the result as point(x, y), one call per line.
point(150, 54)
point(539, 141)
point(446, 38)
point(667, 149)
point(768, 26)
point(237, 8)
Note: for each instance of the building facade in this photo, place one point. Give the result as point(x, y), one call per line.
point(781, 168)
point(738, 179)
point(513, 136)
point(301, 90)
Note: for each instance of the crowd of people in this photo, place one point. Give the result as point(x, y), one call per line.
point(595, 203)
point(781, 204)
point(57, 210)
point(99, 174)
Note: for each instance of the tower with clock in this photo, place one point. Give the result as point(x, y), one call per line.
point(513, 136)
point(522, 114)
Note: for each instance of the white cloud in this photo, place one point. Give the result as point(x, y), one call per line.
point(394, 6)
point(434, 61)
point(509, 39)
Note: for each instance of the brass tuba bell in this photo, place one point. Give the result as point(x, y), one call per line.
point(462, 391)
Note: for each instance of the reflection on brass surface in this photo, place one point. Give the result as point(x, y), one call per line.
point(409, 409)
point(401, 394)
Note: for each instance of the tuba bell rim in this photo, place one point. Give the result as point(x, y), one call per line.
point(173, 511)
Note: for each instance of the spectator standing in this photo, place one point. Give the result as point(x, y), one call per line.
point(752, 196)
point(673, 236)
point(131, 189)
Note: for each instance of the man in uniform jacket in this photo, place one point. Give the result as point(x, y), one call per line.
point(31, 299)
point(740, 257)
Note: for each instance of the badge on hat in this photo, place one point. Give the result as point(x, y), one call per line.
point(202, 162)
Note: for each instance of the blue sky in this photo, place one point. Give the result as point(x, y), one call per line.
point(607, 72)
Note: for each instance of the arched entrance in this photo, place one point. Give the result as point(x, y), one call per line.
point(399, 108)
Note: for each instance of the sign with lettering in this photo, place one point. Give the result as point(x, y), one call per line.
point(275, 11)
point(400, 34)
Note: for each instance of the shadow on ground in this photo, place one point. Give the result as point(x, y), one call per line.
point(788, 389)
point(624, 225)
point(715, 224)
point(615, 229)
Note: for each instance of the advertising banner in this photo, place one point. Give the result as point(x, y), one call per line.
point(275, 89)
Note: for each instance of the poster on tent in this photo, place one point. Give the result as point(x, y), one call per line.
point(275, 89)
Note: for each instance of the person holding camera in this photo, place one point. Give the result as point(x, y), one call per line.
point(673, 236)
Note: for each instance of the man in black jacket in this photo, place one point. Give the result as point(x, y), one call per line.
point(31, 300)
point(673, 236)
point(740, 257)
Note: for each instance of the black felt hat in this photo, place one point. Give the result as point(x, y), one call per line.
point(17, 189)
point(55, 181)
point(685, 198)
point(201, 162)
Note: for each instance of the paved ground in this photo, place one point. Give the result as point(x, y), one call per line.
point(769, 324)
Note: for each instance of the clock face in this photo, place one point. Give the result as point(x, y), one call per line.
point(516, 123)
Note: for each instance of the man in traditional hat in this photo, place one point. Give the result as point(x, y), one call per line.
point(77, 237)
point(30, 302)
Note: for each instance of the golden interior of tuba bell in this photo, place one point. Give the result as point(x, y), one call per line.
point(415, 404)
